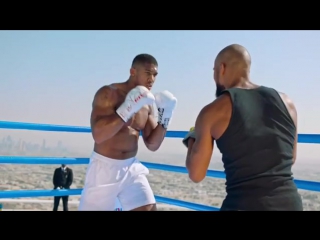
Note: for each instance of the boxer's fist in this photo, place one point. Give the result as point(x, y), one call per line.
point(134, 101)
point(166, 104)
point(190, 134)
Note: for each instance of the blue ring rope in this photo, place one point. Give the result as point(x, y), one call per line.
point(302, 138)
point(75, 192)
point(302, 184)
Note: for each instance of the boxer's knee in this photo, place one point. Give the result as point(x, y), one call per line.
point(149, 207)
point(98, 199)
point(138, 196)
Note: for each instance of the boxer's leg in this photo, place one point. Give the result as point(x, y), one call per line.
point(101, 198)
point(101, 187)
point(137, 195)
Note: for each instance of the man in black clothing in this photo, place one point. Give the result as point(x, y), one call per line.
point(62, 179)
point(255, 129)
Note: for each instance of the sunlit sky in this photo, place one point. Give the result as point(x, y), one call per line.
point(52, 76)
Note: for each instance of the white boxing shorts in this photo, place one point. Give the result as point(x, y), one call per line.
point(109, 180)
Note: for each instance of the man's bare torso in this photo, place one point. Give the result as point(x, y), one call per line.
point(124, 144)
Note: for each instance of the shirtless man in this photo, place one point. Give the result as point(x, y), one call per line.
point(119, 112)
point(255, 129)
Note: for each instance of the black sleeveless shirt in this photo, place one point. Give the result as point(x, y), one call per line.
point(257, 153)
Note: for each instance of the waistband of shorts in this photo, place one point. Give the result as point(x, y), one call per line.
point(97, 156)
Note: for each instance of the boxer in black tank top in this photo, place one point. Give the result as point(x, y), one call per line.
point(255, 129)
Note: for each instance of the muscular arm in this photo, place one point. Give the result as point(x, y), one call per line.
point(200, 150)
point(153, 133)
point(105, 123)
point(294, 115)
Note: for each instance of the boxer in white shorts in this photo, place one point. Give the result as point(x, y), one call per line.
point(119, 112)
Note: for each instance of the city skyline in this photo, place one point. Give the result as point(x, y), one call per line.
point(20, 147)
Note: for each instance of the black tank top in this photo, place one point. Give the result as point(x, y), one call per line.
point(257, 153)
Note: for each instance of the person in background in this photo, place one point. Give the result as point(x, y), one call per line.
point(62, 179)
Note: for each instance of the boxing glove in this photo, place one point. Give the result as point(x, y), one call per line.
point(190, 134)
point(166, 104)
point(134, 101)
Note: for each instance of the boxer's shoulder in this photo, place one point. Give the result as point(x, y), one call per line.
point(221, 103)
point(218, 109)
point(105, 96)
point(285, 98)
point(289, 105)
point(106, 90)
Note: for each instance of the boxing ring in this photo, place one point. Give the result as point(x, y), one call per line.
point(302, 184)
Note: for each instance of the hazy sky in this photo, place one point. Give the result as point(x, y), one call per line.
point(52, 76)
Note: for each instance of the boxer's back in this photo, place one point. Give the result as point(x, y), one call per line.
point(257, 151)
point(124, 144)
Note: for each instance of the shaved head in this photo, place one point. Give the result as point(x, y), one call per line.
point(230, 66)
point(234, 55)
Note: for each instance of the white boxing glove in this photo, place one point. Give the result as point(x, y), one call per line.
point(166, 104)
point(134, 101)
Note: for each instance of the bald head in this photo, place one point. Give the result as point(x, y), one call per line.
point(234, 55)
point(231, 66)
